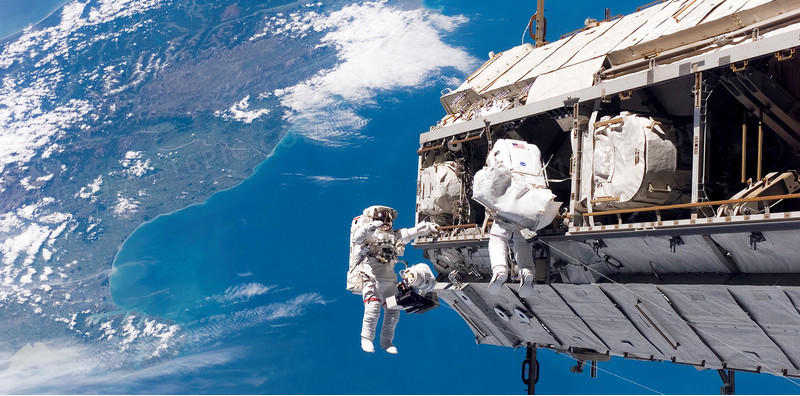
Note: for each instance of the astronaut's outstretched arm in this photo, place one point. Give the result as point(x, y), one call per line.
point(422, 229)
point(360, 236)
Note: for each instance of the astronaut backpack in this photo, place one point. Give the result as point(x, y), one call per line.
point(513, 184)
point(357, 253)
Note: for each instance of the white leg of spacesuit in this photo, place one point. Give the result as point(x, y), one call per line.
point(499, 235)
point(372, 311)
point(390, 319)
point(525, 266)
point(374, 294)
point(522, 251)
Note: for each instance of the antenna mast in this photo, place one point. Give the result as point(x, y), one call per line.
point(541, 25)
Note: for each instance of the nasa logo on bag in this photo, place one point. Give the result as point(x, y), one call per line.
point(522, 163)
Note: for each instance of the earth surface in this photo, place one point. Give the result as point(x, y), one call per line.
point(177, 180)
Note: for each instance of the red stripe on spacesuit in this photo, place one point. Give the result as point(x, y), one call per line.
point(372, 299)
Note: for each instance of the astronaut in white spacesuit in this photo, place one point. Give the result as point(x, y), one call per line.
point(514, 189)
point(374, 249)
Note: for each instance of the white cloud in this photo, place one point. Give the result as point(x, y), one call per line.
point(29, 126)
point(125, 207)
point(325, 179)
point(26, 126)
point(28, 242)
point(55, 39)
point(35, 184)
point(140, 71)
point(220, 326)
point(177, 366)
point(241, 293)
point(27, 278)
point(38, 364)
point(379, 48)
point(240, 111)
point(160, 331)
point(47, 271)
point(26, 233)
point(331, 179)
point(133, 164)
point(68, 367)
point(89, 191)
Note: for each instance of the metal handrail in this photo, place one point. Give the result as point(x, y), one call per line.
point(426, 149)
point(691, 205)
point(452, 227)
point(650, 4)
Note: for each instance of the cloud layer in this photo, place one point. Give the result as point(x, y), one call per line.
point(221, 326)
point(241, 293)
point(69, 366)
point(379, 48)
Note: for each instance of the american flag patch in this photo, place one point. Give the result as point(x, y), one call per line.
point(517, 145)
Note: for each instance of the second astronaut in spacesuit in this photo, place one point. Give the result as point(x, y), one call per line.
point(374, 250)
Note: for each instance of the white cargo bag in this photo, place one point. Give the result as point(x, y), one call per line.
point(635, 162)
point(513, 185)
point(439, 189)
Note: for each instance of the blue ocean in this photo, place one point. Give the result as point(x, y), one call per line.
point(17, 15)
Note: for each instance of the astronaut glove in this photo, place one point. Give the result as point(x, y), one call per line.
point(374, 225)
point(425, 228)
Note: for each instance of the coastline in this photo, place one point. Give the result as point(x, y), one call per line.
point(14, 28)
point(287, 141)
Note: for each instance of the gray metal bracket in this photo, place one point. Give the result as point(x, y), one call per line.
point(728, 382)
point(530, 369)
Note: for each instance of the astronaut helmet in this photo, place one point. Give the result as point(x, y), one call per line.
point(384, 214)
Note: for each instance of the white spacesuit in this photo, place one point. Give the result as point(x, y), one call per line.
point(374, 249)
point(513, 188)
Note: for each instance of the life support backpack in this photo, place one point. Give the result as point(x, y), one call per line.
point(514, 186)
point(358, 252)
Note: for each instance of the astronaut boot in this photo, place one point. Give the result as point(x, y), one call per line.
point(525, 282)
point(366, 345)
point(496, 284)
point(389, 347)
